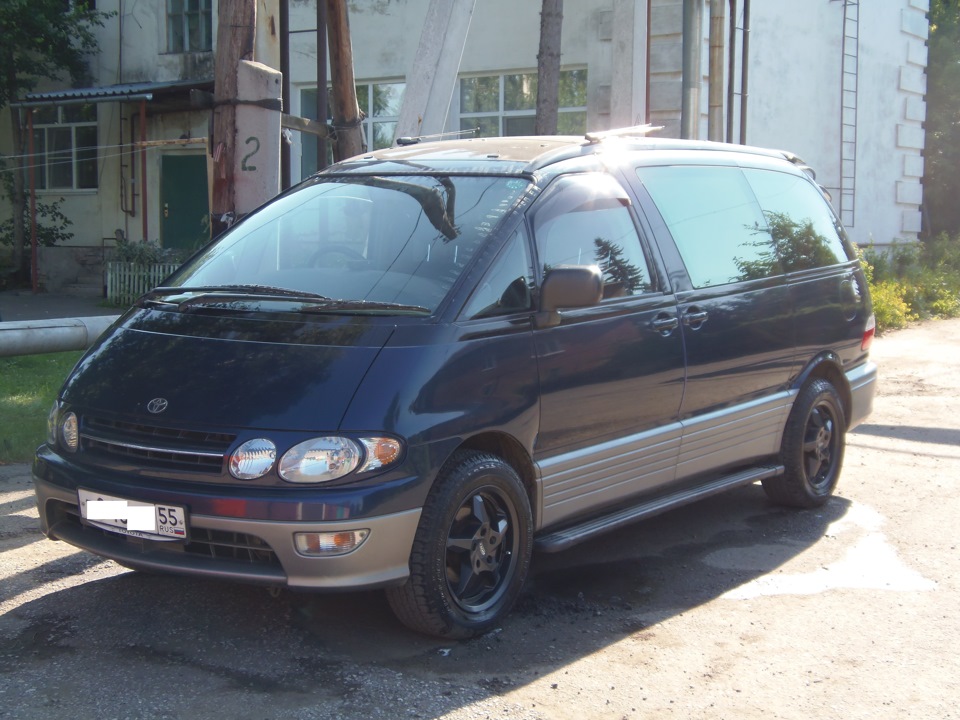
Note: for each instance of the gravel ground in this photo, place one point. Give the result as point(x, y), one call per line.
point(730, 608)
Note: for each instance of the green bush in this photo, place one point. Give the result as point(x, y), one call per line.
point(892, 311)
point(914, 281)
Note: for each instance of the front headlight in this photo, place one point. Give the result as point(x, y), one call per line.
point(70, 432)
point(253, 459)
point(52, 417)
point(320, 460)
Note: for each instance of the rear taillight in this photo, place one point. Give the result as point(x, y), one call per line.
point(868, 332)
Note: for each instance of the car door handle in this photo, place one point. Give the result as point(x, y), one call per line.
point(695, 317)
point(665, 324)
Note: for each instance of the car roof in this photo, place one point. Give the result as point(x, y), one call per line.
point(529, 154)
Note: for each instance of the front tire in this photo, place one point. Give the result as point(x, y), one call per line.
point(812, 448)
point(472, 549)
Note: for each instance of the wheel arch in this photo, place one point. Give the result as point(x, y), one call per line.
point(513, 453)
point(828, 366)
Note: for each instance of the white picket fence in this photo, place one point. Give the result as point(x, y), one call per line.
point(127, 281)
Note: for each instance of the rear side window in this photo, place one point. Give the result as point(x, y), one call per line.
point(804, 230)
point(585, 220)
point(715, 221)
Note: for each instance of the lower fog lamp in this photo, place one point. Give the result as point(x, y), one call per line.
point(329, 544)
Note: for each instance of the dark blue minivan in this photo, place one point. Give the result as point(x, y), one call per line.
point(419, 365)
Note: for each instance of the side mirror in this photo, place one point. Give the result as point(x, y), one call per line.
point(568, 286)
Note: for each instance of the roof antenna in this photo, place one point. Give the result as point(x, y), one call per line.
point(407, 140)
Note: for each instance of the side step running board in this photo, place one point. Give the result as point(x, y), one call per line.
point(563, 539)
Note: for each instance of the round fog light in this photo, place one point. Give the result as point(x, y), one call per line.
point(328, 544)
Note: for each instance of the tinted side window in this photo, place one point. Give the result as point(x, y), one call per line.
point(804, 230)
point(715, 221)
point(506, 287)
point(585, 220)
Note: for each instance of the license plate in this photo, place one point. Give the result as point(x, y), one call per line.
point(132, 517)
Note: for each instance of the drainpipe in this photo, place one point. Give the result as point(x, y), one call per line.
point(646, 104)
point(34, 275)
point(143, 166)
point(692, 79)
point(731, 68)
point(744, 72)
point(715, 116)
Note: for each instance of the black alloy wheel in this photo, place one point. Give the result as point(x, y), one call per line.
point(471, 552)
point(812, 449)
point(482, 546)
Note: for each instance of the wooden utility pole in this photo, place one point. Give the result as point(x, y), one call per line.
point(322, 160)
point(236, 32)
point(346, 112)
point(548, 67)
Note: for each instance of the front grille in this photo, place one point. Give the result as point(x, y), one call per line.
point(223, 545)
point(219, 545)
point(157, 447)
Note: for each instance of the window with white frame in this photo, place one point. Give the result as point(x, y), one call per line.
point(380, 104)
point(65, 147)
point(507, 104)
point(189, 26)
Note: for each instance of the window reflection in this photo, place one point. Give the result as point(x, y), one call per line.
point(710, 211)
point(732, 224)
point(585, 220)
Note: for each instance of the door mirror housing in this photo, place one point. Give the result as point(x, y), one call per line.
point(568, 286)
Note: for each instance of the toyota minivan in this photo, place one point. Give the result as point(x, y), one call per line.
point(419, 365)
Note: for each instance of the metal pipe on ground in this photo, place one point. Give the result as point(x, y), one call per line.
point(32, 337)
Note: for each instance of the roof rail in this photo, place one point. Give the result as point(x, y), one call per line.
point(798, 162)
point(634, 131)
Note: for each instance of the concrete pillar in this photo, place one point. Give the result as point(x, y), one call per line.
point(257, 163)
point(433, 78)
point(628, 84)
point(266, 43)
point(692, 69)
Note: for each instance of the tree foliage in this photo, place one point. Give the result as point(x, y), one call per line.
point(41, 40)
point(942, 172)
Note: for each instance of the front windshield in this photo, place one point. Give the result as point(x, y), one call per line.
point(361, 239)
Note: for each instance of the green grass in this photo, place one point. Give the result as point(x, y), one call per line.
point(28, 386)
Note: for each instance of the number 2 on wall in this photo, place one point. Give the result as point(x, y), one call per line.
point(243, 163)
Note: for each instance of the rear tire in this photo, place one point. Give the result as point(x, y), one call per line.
point(812, 448)
point(471, 552)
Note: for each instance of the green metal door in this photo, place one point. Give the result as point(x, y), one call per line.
point(184, 209)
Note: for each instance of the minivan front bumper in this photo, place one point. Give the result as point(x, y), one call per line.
point(243, 549)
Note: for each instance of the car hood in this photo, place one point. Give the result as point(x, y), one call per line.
point(210, 372)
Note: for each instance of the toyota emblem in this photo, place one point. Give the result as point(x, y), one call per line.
point(157, 406)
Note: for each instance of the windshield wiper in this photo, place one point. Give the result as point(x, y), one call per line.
point(218, 293)
point(364, 306)
point(210, 294)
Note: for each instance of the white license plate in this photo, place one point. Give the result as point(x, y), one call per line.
point(131, 517)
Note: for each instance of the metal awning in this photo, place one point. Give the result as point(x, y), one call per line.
point(125, 92)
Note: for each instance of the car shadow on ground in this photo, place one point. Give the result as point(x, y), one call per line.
point(346, 652)
point(913, 433)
